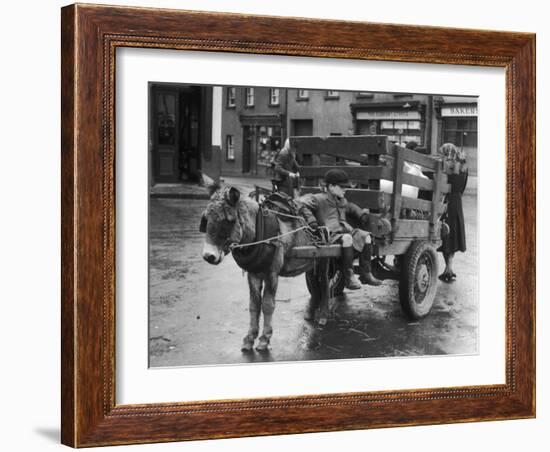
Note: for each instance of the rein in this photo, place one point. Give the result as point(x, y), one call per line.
point(235, 246)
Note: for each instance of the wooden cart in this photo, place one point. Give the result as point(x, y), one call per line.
point(407, 227)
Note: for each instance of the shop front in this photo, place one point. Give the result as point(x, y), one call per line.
point(402, 122)
point(262, 139)
point(459, 126)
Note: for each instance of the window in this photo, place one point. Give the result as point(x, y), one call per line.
point(229, 147)
point(462, 132)
point(231, 97)
point(303, 94)
point(249, 97)
point(332, 95)
point(402, 131)
point(274, 96)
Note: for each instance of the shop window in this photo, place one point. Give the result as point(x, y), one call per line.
point(249, 97)
point(462, 132)
point(269, 143)
point(402, 131)
point(274, 94)
point(231, 97)
point(303, 94)
point(230, 147)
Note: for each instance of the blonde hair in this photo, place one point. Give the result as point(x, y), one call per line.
point(451, 152)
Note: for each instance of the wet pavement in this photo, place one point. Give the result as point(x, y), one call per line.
point(199, 313)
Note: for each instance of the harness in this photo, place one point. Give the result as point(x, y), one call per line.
point(257, 257)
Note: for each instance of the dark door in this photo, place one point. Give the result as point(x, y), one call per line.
point(165, 132)
point(247, 149)
point(189, 136)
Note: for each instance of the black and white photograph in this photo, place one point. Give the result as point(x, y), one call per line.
point(290, 224)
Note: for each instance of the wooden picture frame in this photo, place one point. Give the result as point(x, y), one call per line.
point(90, 36)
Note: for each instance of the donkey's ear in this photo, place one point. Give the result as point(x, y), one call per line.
point(203, 223)
point(232, 196)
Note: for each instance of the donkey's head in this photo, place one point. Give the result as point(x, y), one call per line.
point(221, 223)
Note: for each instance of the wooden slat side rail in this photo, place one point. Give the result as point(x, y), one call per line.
point(369, 199)
point(422, 204)
point(382, 201)
point(368, 173)
point(397, 183)
point(359, 173)
point(416, 157)
point(356, 147)
point(417, 181)
point(414, 229)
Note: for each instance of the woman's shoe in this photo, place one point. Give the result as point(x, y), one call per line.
point(445, 277)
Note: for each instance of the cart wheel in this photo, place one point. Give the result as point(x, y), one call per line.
point(337, 281)
point(418, 282)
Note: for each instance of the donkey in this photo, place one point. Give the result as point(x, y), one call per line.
point(230, 219)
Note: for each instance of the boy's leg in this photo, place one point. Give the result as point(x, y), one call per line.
point(365, 271)
point(347, 261)
point(365, 256)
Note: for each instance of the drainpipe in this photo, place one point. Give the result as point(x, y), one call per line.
point(287, 121)
point(429, 124)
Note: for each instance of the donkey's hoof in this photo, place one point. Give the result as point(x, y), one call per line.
point(247, 346)
point(263, 345)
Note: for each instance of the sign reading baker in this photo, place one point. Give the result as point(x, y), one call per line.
point(459, 110)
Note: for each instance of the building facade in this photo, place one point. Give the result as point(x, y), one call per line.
point(256, 121)
point(253, 128)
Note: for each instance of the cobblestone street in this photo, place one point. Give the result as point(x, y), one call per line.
point(199, 312)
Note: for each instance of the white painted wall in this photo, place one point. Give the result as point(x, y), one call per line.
point(217, 116)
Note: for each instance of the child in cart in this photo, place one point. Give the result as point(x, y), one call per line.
point(331, 210)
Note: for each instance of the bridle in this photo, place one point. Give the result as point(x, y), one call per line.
point(227, 227)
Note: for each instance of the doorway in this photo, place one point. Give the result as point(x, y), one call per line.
point(175, 133)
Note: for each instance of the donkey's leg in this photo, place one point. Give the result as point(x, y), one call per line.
point(254, 307)
point(268, 306)
point(324, 289)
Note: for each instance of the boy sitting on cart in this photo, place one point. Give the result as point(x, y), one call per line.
point(331, 209)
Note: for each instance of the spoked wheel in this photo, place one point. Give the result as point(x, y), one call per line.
point(336, 279)
point(418, 283)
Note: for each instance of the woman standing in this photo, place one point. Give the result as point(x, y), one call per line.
point(457, 176)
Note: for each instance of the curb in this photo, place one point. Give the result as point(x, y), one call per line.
point(179, 196)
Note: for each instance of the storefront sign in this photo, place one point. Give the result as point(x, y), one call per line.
point(377, 115)
point(462, 110)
